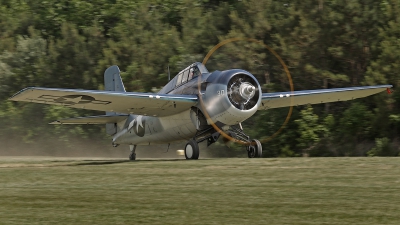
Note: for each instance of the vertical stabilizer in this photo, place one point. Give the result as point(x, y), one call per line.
point(112, 82)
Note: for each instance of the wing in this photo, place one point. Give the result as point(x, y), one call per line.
point(103, 119)
point(284, 99)
point(121, 102)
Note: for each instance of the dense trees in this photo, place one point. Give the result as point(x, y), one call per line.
point(325, 43)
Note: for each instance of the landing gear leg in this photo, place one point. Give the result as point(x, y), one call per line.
point(192, 150)
point(132, 156)
point(254, 150)
point(253, 147)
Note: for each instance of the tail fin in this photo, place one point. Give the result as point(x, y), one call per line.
point(112, 82)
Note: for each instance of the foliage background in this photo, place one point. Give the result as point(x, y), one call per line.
point(325, 43)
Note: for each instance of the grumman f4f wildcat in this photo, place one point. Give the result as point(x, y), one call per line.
point(175, 113)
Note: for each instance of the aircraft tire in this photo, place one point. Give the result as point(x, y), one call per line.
point(254, 151)
point(132, 156)
point(192, 150)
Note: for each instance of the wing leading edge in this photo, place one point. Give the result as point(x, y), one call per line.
point(285, 99)
point(121, 102)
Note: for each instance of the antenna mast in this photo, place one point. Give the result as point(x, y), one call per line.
point(169, 75)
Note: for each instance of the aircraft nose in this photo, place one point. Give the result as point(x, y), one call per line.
point(243, 90)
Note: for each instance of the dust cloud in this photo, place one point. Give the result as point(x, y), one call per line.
point(94, 148)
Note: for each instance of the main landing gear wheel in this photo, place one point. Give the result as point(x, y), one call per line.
point(192, 150)
point(254, 150)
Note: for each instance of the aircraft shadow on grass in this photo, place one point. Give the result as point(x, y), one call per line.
point(106, 162)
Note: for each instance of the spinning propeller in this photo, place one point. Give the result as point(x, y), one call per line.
point(244, 94)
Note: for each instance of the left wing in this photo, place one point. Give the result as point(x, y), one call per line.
point(151, 104)
point(284, 99)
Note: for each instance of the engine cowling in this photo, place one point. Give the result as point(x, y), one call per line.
point(231, 96)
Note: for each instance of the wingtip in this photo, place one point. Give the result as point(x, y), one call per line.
point(12, 98)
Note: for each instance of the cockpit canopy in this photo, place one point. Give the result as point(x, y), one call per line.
point(189, 72)
point(184, 76)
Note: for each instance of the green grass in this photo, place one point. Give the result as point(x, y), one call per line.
point(210, 191)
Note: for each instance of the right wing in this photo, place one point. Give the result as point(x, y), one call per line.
point(150, 104)
point(285, 99)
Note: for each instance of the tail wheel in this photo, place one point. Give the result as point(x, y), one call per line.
point(192, 150)
point(132, 156)
point(254, 150)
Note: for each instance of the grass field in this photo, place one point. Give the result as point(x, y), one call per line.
point(208, 191)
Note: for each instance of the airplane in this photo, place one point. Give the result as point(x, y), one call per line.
point(176, 113)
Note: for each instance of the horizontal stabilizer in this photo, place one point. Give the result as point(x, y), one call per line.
point(92, 119)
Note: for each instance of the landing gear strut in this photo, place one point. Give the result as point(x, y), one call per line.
point(192, 150)
point(132, 156)
point(253, 147)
